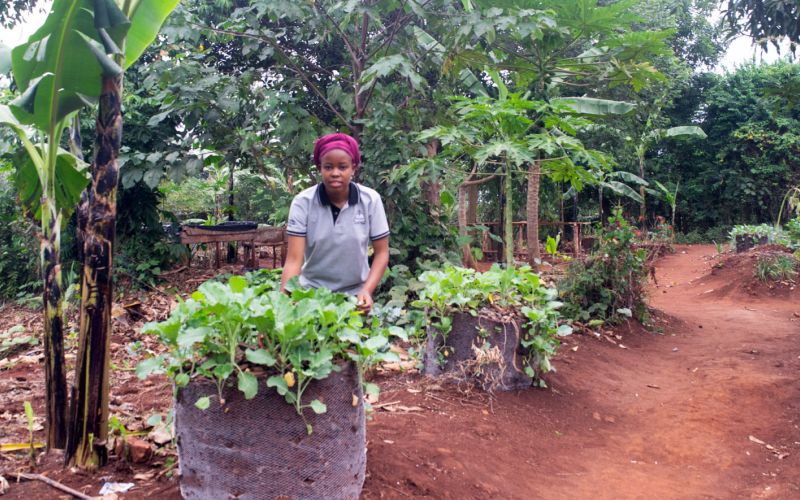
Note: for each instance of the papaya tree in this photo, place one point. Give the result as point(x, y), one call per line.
point(501, 136)
point(553, 48)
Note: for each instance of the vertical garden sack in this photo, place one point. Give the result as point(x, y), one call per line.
point(260, 448)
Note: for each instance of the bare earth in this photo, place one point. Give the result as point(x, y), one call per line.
point(707, 406)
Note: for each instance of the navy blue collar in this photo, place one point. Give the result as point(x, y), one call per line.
point(352, 197)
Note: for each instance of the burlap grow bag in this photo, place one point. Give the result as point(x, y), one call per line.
point(745, 242)
point(259, 449)
point(496, 365)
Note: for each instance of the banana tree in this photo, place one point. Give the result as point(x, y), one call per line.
point(74, 59)
point(652, 137)
point(127, 29)
point(54, 71)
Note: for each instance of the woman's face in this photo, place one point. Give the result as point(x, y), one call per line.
point(337, 170)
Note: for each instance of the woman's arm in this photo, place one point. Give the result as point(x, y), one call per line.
point(380, 259)
point(295, 252)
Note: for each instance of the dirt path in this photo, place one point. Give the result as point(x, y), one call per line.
point(709, 408)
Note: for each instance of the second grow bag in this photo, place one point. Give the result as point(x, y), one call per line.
point(478, 347)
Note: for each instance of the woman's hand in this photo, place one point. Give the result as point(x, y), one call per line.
point(364, 301)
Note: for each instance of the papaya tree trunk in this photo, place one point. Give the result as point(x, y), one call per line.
point(508, 218)
point(466, 251)
point(532, 208)
point(52, 298)
point(86, 446)
point(642, 204)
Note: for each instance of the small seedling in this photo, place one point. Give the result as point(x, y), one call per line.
point(32, 447)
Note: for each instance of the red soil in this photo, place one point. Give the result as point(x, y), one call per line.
point(705, 408)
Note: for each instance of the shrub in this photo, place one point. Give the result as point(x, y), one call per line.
point(776, 268)
point(19, 254)
point(609, 284)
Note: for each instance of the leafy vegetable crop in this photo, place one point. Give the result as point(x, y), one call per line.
point(520, 291)
point(232, 329)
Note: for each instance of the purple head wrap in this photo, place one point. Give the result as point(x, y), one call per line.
point(336, 141)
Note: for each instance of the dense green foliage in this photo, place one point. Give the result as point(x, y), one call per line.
point(609, 284)
point(18, 264)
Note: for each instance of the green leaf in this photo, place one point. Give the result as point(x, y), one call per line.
point(237, 284)
point(594, 107)
point(564, 330)
point(203, 403)
point(686, 131)
point(150, 366)
point(62, 69)
point(375, 343)
point(259, 357)
point(190, 336)
point(248, 384)
point(622, 189)
point(154, 420)
point(182, 379)
point(318, 406)
point(146, 22)
point(279, 384)
point(446, 198)
point(372, 389)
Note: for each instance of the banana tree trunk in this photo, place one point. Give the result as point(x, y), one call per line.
point(55, 372)
point(89, 411)
point(532, 208)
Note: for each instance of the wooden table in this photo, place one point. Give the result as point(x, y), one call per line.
point(250, 238)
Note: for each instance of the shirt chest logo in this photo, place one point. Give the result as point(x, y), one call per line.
point(359, 218)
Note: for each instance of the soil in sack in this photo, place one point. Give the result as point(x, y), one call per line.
point(745, 242)
point(260, 448)
point(477, 347)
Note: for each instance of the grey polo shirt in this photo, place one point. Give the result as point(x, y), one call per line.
point(336, 252)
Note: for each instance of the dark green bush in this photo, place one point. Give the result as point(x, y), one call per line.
point(609, 284)
point(19, 247)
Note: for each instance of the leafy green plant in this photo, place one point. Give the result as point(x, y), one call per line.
point(773, 234)
point(776, 268)
point(30, 420)
point(235, 330)
point(611, 279)
point(457, 289)
point(10, 341)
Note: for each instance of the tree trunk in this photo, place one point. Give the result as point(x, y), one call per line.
point(600, 204)
point(466, 252)
point(532, 208)
point(432, 189)
point(642, 208)
point(89, 409)
point(508, 218)
point(52, 297)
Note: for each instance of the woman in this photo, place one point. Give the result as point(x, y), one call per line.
point(331, 225)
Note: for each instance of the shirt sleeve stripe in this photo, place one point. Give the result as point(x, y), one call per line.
point(379, 237)
point(295, 233)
